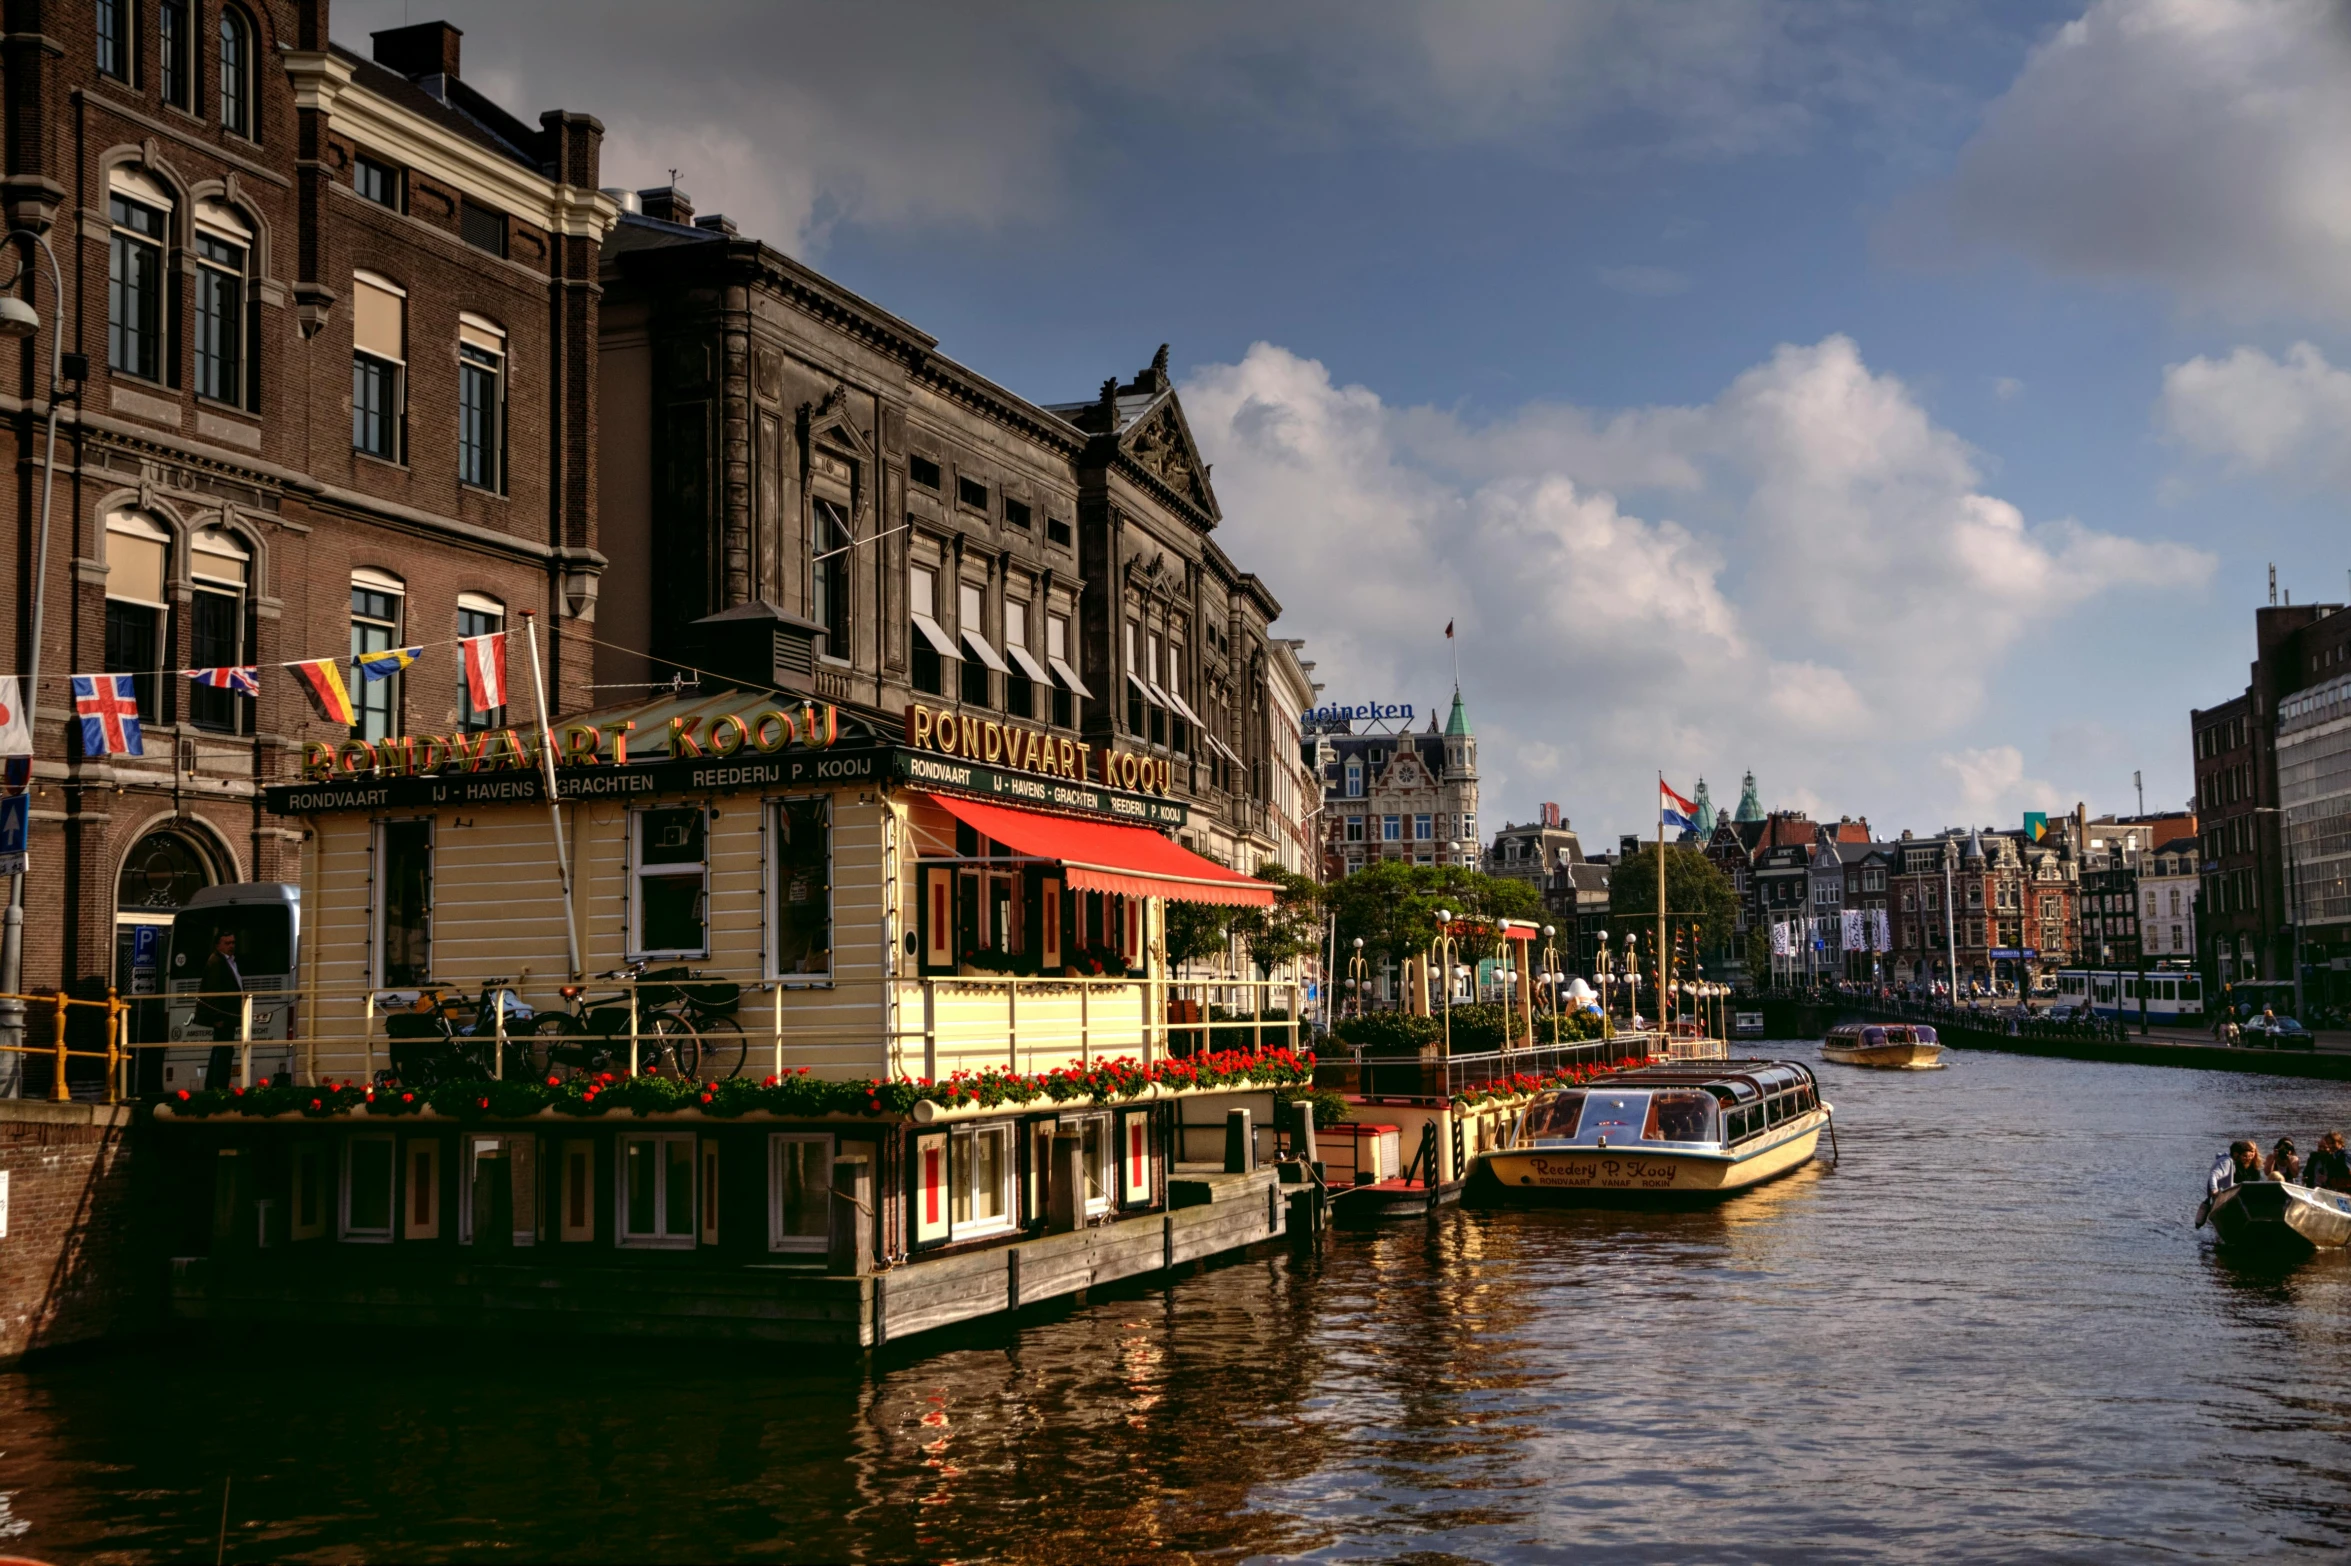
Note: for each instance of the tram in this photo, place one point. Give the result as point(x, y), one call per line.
point(2174, 995)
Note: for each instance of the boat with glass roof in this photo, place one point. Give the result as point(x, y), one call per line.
point(1888, 1046)
point(1669, 1134)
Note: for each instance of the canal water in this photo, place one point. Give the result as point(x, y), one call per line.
point(1988, 1334)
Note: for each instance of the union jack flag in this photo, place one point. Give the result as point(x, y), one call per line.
point(108, 705)
point(246, 679)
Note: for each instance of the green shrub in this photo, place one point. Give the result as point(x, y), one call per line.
point(1391, 1032)
point(1330, 1106)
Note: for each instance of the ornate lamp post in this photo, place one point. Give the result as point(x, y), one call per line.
point(1359, 977)
point(1600, 962)
point(1632, 977)
point(1443, 951)
point(1551, 978)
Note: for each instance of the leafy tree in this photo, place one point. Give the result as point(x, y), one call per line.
point(1696, 891)
point(1759, 956)
point(1393, 907)
point(1292, 927)
point(1195, 932)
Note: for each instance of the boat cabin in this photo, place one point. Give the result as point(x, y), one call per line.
point(1672, 1106)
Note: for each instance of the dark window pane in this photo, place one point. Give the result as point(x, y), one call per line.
point(215, 637)
point(408, 898)
point(975, 681)
point(1019, 695)
point(134, 291)
point(236, 69)
point(673, 913)
point(114, 43)
point(971, 493)
point(378, 182)
point(375, 419)
point(171, 37)
point(370, 1191)
point(1056, 532)
point(926, 666)
point(923, 471)
point(220, 320)
point(829, 575)
point(478, 413)
point(1016, 512)
point(133, 644)
point(482, 227)
point(674, 837)
point(804, 892)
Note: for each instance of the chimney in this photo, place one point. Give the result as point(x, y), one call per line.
point(717, 223)
point(1550, 813)
point(427, 49)
point(670, 203)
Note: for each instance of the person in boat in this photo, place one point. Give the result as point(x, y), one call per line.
point(2327, 1168)
point(2240, 1165)
point(2284, 1163)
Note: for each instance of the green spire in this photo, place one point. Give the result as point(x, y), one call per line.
point(1750, 808)
point(1704, 816)
point(1457, 722)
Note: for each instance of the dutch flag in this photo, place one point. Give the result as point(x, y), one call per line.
point(1675, 811)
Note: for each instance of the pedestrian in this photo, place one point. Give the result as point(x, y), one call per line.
point(220, 1007)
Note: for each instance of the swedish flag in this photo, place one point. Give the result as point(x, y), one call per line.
point(391, 661)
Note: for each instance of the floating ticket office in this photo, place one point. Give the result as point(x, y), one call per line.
point(961, 898)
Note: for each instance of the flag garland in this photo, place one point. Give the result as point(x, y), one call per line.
point(385, 664)
point(322, 681)
point(244, 678)
point(483, 659)
point(108, 705)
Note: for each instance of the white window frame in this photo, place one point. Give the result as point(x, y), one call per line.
point(960, 1190)
point(392, 1203)
point(661, 1239)
point(488, 341)
point(521, 1149)
point(771, 888)
point(777, 1240)
point(1102, 1172)
point(638, 870)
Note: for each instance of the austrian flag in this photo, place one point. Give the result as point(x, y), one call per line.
point(484, 661)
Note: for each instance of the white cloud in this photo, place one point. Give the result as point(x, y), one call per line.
point(2007, 387)
point(2289, 419)
point(2194, 144)
point(1830, 602)
point(1648, 282)
point(1988, 786)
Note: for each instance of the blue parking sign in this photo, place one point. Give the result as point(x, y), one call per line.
point(15, 821)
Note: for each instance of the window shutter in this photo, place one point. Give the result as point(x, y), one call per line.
point(1134, 1141)
point(709, 1191)
point(1052, 931)
point(931, 1204)
point(939, 896)
point(578, 1195)
point(421, 1197)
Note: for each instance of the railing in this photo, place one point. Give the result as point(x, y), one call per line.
point(1409, 1076)
point(488, 1029)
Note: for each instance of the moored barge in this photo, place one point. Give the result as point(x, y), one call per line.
point(1885, 1046)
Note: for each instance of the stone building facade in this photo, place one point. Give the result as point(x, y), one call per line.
point(828, 504)
point(290, 229)
point(1408, 797)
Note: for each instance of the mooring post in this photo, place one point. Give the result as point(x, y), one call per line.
point(1240, 1148)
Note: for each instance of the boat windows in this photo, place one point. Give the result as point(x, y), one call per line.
point(672, 875)
point(1872, 1037)
point(657, 1191)
point(1680, 1117)
point(800, 1187)
point(1554, 1118)
point(491, 1161)
point(1924, 1034)
point(983, 1192)
point(367, 1188)
point(1613, 1114)
point(803, 860)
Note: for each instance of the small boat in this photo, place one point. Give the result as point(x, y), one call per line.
point(1889, 1046)
point(1663, 1135)
point(2278, 1215)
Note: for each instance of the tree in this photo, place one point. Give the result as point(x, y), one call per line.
point(1696, 892)
point(1759, 957)
point(1292, 927)
point(1393, 907)
point(1196, 932)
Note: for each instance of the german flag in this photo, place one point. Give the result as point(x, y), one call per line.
point(322, 679)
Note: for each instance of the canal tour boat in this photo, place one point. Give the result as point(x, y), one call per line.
point(1891, 1046)
point(2274, 1214)
point(1664, 1135)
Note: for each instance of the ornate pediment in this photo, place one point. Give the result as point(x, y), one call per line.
point(1161, 444)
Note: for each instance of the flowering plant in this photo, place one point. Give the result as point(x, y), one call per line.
point(797, 1094)
point(1520, 1084)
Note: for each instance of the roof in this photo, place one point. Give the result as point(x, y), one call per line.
point(1457, 721)
point(463, 110)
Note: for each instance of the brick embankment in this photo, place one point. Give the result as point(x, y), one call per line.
point(2169, 1047)
point(70, 1268)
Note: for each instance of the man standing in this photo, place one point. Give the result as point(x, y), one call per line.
point(219, 1006)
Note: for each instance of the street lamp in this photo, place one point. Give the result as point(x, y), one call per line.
point(1551, 977)
point(1358, 976)
point(1632, 979)
point(1443, 951)
point(20, 320)
point(1600, 961)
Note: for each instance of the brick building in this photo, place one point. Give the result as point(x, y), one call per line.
point(334, 320)
point(1408, 797)
point(1985, 893)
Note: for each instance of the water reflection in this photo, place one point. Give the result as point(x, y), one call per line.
point(1990, 1333)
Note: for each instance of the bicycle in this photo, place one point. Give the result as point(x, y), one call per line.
point(437, 1038)
point(593, 1035)
point(707, 1006)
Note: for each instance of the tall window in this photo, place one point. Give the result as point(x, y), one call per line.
point(377, 180)
point(236, 72)
point(672, 875)
point(477, 616)
point(1020, 685)
point(138, 571)
point(376, 602)
point(114, 38)
point(657, 1189)
point(1066, 689)
point(218, 566)
point(800, 1166)
point(1151, 680)
point(803, 860)
point(828, 574)
point(971, 623)
point(481, 403)
point(1137, 699)
point(404, 901)
point(930, 642)
point(379, 335)
point(172, 38)
point(222, 244)
point(1354, 778)
point(134, 284)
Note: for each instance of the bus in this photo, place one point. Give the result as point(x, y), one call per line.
point(266, 918)
point(2175, 996)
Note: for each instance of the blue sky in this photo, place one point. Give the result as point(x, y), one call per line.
point(1904, 402)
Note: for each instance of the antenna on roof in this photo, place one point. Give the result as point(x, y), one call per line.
point(2273, 584)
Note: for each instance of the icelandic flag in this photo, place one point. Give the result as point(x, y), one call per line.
point(246, 679)
point(108, 705)
point(484, 661)
point(1675, 811)
point(383, 665)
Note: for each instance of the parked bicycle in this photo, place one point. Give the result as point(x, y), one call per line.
point(593, 1035)
point(438, 1036)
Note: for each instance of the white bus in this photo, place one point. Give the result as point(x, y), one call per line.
point(2174, 995)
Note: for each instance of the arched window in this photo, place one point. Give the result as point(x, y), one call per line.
point(377, 601)
point(138, 571)
point(224, 246)
point(220, 569)
point(481, 403)
point(477, 616)
point(236, 72)
point(138, 211)
point(379, 361)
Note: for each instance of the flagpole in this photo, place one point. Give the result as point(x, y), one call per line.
point(1661, 901)
point(571, 929)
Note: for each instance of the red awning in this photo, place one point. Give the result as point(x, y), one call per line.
point(1101, 856)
